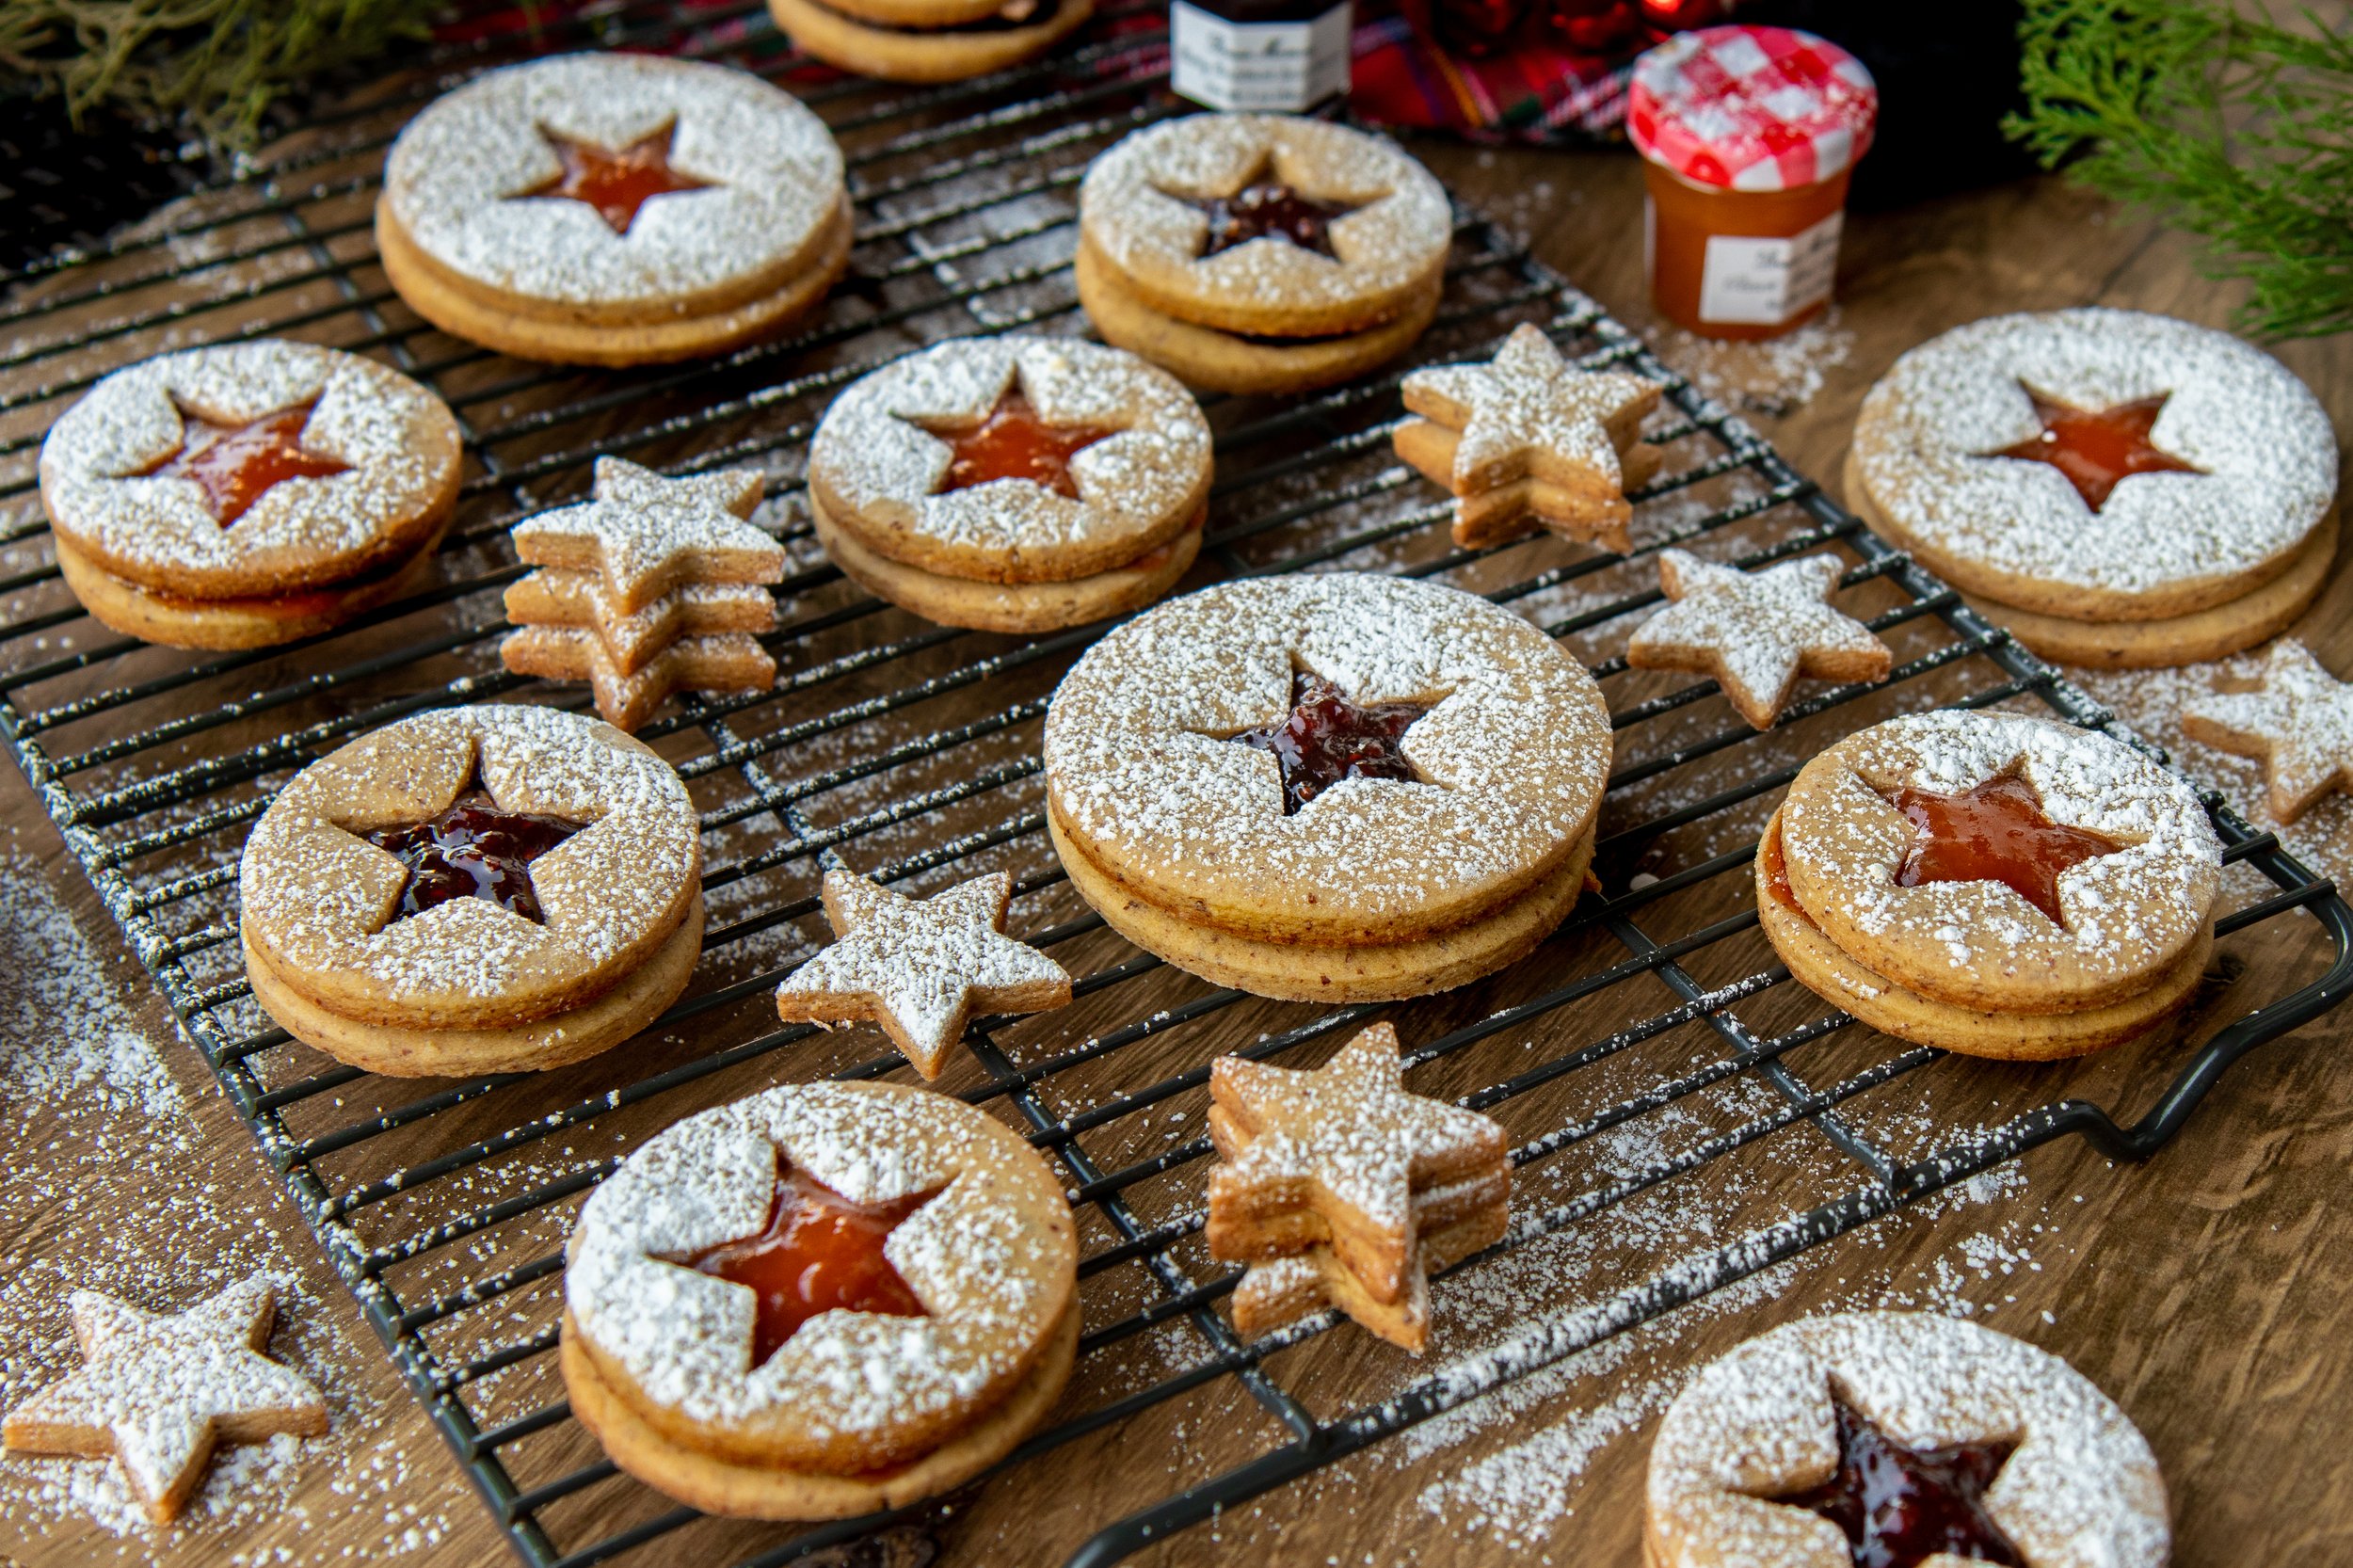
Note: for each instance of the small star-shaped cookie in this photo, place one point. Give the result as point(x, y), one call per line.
point(158, 1391)
point(1345, 1146)
point(649, 535)
point(1756, 631)
point(920, 966)
point(719, 662)
point(2299, 726)
point(1528, 433)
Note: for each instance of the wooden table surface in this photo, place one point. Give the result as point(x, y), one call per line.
point(2205, 1291)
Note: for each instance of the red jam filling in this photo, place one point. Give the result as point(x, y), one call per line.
point(1328, 738)
point(2097, 448)
point(1901, 1506)
point(475, 849)
point(1777, 873)
point(1015, 442)
point(1271, 211)
point(235, 464)
point(1995, 832)
point(615, 181)
point(818, 1252)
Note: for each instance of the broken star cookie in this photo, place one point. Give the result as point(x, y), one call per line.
point(2299, 723)
point(822, 1300)
point(160, 1391)
point(1530, 439)
point(919, 966)
point(1757, 633)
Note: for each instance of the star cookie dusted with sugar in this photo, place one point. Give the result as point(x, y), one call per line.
point(1529, 435)
point(2299, 726)
point(159, 1391)
point(649, 535)
point(1756, 631)
point(1345, 1141)
point(920, 966)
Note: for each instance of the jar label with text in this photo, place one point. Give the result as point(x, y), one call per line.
point(1750, 280)
point(1280, 66)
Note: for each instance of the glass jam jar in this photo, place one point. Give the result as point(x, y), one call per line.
point(1748, 137)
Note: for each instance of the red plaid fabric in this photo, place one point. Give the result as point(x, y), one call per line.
point(1535, 93)
point(1753, 108)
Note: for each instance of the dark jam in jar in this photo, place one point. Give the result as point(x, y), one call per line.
point(1278, 55)
point(1328, 738)
point(818, 1252)
point(1901, 1506)
point(475, 849)
point(1997, 832)
point(235, 464)
point(2096, 448)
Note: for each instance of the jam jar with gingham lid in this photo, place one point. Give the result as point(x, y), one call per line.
point(1748, 135)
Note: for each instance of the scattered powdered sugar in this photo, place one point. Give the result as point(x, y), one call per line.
point(772, 175)
point(2262, 442)
point(1135, 206)
point(1774, 377)
point(1529, 399)
point(65, 1030)
point(875, 463)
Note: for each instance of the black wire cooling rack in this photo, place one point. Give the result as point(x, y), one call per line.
point(910, 751)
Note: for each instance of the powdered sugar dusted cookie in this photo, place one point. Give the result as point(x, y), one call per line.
point(1260, 252)
point(247, 494)
point(1530, 439)
point(612, 209)
point(2097, 466)
point(475, 888)
point(919, 966)
point(646, 535)
point(159, 1391)
point(821, 1301)
point(1900, 1437)
point(2000, 863)
point(627, 698)
point(1757, 633)
point(928, 41)
point(2298, 725)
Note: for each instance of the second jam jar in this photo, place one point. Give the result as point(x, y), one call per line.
point(1748, 135)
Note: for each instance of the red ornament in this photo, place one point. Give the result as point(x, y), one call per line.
point(1681, 16)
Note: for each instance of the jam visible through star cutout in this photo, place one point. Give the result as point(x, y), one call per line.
point(1013, 441)
point(1267, 209)
point(615, 181)
point(1901, 1506)
point(235, 465)
point(1327, 738)
point(819, 1251)
point(2096, 448)
point(1995, 832)
point(474, 849)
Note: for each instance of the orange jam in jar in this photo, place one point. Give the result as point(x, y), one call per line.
point(1749, 137)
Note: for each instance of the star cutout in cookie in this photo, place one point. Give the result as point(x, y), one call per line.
point(2299, 726)
point(236, 465)
point(617, 182)
point(1898, 1507)
point(920, 966)
point(1346, 1141)
point(159, 1391)
point(1756, 631)
point(1530, 418)
point(2096, 448)
point(1012, 440)
point(649, 535)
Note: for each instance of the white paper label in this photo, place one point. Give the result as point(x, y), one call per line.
point(1749, 281)
point(1282, 66)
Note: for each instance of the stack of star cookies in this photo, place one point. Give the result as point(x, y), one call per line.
point(1341, 1189)
point(654, 587)
point(1529, 439)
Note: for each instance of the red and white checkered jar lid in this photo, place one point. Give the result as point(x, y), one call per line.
point(1752, 108)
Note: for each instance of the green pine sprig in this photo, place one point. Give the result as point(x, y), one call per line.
point(215, 66)
point(2225, 124)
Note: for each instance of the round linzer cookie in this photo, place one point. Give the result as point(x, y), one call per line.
point(2125, 489)
point(614, 209)
point(1334, 787)
point(1260, 252)
point(1013, 483)
point(248, 494)
point(474, 889)
point(1995, 883)
point(928, 41)
point(822, 1300)
point(1900, 1437)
